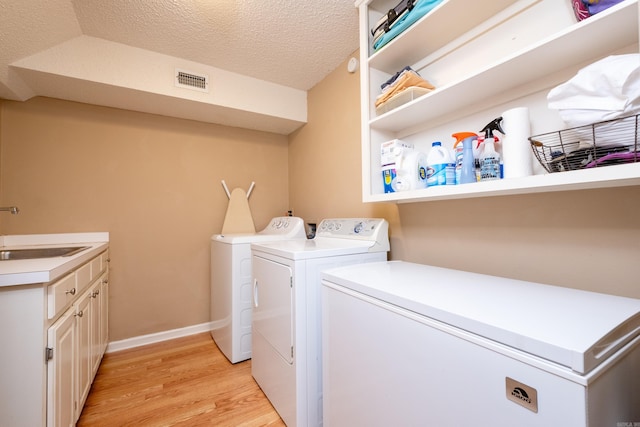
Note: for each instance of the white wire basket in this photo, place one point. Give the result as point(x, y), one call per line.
point(601, 144)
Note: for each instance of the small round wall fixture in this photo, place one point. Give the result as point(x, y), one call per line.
point(352, 65)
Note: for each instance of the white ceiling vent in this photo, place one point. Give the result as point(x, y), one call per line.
point(189, 80)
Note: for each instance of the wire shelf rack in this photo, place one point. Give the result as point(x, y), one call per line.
point(601, 144)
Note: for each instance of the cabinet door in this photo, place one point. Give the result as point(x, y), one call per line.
point(61, 371)
point(83, 336)
point(104, 312)
point(95, 327)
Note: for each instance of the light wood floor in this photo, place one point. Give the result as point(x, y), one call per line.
point(182, 382)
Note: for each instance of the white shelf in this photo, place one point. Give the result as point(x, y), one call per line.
point(446, 22)
point(519, 73)
point(595, 37)
point(604, 177)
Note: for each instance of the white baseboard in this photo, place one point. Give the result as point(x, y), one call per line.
point(157, 337)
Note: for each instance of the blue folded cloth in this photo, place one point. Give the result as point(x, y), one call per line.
point(586, 8)
point(596, 6)
point(419, 10)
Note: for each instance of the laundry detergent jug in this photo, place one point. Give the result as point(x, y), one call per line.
point(411, 170)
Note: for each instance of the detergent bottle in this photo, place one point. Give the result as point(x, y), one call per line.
point(390, 152)
point(464, 158)
point(490, 158)
point(441, 169)
point(411, 170)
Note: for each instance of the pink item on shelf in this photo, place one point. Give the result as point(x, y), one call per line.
point(580, 9)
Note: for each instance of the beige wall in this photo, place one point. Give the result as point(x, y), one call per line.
point(152, 182)
point(581, 239)
point(325, 177)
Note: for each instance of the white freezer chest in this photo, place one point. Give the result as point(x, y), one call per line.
point(422, 345)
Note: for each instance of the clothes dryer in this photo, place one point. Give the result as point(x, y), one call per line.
point(231, 283)
point(286, 339)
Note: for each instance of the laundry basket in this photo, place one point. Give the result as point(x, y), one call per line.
point(606, 143)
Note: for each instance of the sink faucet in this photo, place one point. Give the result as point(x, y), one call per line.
point(13, 209)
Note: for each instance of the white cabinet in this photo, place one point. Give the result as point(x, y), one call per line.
point(61, 372)
point(482, 56)
point(75, 349)
point(53, 339)
point(99, 321)
point(78, 363)
point(104, 313)
point(83, 312)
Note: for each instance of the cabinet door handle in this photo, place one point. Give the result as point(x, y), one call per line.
point(255, 292)
point(79, 314)
point(71, 291)
point(105, 281)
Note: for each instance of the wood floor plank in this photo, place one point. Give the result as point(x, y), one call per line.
point(182, 382)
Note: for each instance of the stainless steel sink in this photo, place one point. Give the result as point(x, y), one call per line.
point(34, 253)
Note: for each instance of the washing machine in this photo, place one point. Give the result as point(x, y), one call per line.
point(231, 288)
point(286, 340)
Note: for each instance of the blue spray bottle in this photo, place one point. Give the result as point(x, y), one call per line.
point(465, 162)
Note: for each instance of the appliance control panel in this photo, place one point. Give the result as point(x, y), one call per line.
point(283, 225)
point(372, 229)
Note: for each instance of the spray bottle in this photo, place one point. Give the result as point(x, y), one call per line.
point(490, 158)
point(477, 152)
point(463, 153)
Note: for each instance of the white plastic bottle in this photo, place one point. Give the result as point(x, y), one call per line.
point(441, 169)
point(489, 161)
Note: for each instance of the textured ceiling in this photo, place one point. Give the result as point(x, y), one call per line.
point(291, 43)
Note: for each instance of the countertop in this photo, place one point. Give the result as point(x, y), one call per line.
point(43, 270)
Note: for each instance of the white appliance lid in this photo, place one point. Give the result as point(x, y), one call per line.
point(312, 248)
point(249, 238)
point(334, 237)
point(279, 228)
point(574, 328)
